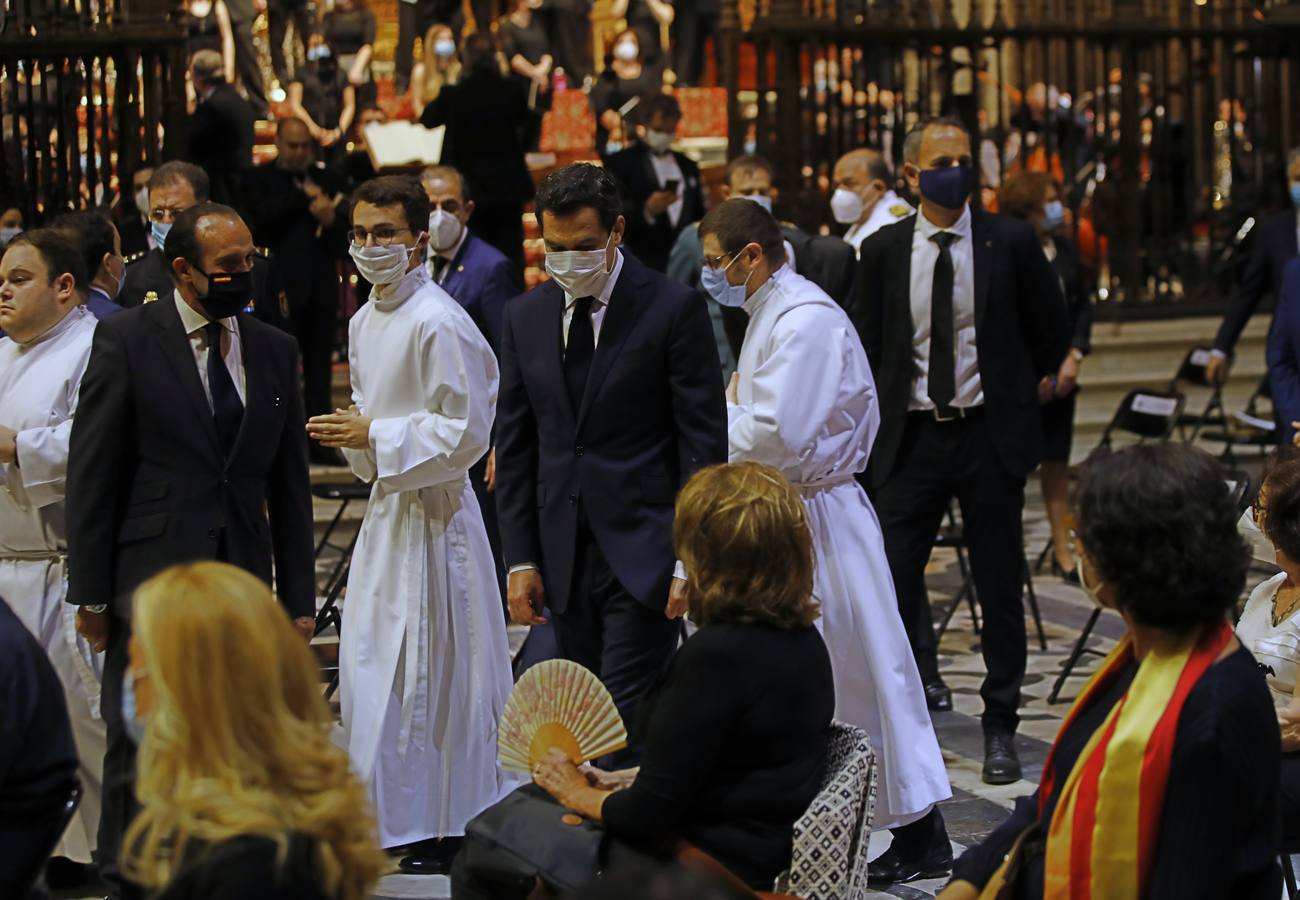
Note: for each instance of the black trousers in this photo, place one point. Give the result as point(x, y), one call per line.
point(413, 20)
point(570, 34)
point(119, 806)
point(939, 461)
point(604, 629)
point(250, 73)
point(314, 322)
point(279, 13)
point(690, 31)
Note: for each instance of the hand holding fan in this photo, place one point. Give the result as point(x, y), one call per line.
point(558, 703)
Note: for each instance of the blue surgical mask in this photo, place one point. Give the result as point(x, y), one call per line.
point(444, 47)
point(948, 186)
point(8, 234)
point(1295, 193)
point(761, 199)
point(715, 284)
point(1054, 215)
point(317, 53)
point(130, 718)
point(159, 231)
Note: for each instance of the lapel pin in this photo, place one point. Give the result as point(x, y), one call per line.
point(150, 296)
point(460, 268)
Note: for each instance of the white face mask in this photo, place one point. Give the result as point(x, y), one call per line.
point(626, 51)
point(1261, 548)
point(120, 279)
point(659, 141)
point(444, 230)
point(1092, 590)
point(581, 273)
point(846, 206)
point(8, 234)
point(381, 265)
point(761, 199)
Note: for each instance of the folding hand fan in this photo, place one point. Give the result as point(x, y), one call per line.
point(558, 703)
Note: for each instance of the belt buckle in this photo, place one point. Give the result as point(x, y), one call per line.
point(958, 413)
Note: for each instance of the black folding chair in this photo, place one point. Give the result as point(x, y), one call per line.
point(345, 494)
point(1240, 434)
point(1147, 415)
point(1191, 373)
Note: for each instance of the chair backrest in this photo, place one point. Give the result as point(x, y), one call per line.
point(829, 857)
point(45, 834)
point(1146, 413)
point(1192, 369)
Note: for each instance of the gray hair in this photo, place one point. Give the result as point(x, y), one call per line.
point(912, 143)
point(206, 65)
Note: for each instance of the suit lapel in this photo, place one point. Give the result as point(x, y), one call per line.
point(251, 348)
point(180, 356)
point(897, 312)
point(982, 257)
point(550, 328)
point(620, 319)
point(455, 271)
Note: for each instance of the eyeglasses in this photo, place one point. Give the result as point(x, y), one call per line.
point(714, 261)
point(161, 214)
point(383, 235)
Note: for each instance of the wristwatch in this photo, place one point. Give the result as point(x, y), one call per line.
point(96, 608)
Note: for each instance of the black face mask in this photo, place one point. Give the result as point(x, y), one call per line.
point(228, 293)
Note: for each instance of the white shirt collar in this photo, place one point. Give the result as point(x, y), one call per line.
point(192, 320)
point(608, 290)
point(927, 229)
point(765, 290)
point(70, 318)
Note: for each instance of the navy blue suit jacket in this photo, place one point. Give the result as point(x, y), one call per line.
point(653, 413)
point(482, 279)
point(1284, 351)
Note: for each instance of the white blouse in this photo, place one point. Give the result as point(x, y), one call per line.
point(1276, 647)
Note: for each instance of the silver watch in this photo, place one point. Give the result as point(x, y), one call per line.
point(96, 608)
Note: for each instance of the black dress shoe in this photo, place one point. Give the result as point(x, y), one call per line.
point(431, 864)
point(938, 696)
point(890, 868)
point(62, 874)
point(1001, 764)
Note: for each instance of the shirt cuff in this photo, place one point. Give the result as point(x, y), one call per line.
point(1218, 354)
point(679, 571)
point(522, 567)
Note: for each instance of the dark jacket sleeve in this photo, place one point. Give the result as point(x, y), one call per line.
point(100, 439)
point(289, 505)
point(866, 309)
point(516, 436)
point(502, 283)
point(978, 863)
point(1283, 346)
point(1041, 306)
point(1246, 294)
point(699, 404)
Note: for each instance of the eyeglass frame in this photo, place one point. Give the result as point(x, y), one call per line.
point(379, 242)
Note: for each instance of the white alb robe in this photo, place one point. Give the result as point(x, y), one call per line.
point(807, 406)
point(424, 663)
point(39, 384)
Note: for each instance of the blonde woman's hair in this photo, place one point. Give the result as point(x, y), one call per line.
point(742, 534)
point(237, 741)
point(435, 79)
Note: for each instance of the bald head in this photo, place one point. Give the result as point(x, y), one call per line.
point(294, 146)
point(866, 174)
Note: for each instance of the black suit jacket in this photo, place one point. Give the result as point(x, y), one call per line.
point(486, 119)
point(1020, 334)
point(220, 141)
point(653, 413)
point(148, 485)
point(1274, 247)
point(149, 273)
point(653, 242)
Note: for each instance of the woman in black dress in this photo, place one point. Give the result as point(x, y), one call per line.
point(323, 97)
point(1034, 197)
point(350, 29)
point(626, 76)
point(528, 53)
point(1163, 781)
point(207, 27)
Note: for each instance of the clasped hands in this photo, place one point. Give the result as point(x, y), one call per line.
point(344, 429)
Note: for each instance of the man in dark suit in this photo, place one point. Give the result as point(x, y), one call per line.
point(220, 130)
point(961, 316)
point(610, 399)
point(661, 188)
point(1275, 245)
point(242, 15)
point(296, 215)
point(175, 187)
point(480, 278)
point(101, 252)
point(188, 445)
point(486, 116)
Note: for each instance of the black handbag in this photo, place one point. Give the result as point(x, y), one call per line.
point(526, 836)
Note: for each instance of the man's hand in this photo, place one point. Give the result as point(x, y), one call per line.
point(306, 626)
point(1295, 438)
point(1046, 389)
point(490, 475)
point(345, 429)
point(94, 628)
point(322, 209)
point(8, 445)
point(959, 890)
point(659, 202)
point(526, 597)
point(733, 389)
point(1216, 370)
point(678, 599)
point(1067, 378)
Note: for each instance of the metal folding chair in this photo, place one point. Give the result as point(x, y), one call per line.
point(1242, 435)
point(344, 494)
point(1191, 373)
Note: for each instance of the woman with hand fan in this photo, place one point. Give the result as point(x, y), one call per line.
point(736, 725)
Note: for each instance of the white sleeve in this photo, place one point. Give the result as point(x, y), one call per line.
point(438, 444)
point(362, 462)
point(42, 467)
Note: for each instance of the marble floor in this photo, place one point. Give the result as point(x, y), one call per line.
point(975, 808)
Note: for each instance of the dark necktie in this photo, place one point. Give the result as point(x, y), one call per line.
point(579, 351)
point(440, 264)
point(941, 378)
point(227, 409)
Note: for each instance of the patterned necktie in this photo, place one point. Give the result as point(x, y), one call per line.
point(227, 409)
point(942, 380)
point(579, 351)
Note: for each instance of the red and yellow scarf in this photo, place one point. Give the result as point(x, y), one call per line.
point(1102, 838)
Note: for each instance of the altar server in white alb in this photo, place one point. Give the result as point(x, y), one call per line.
point(803, 400)
point(42, 358)
point(424, 664)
